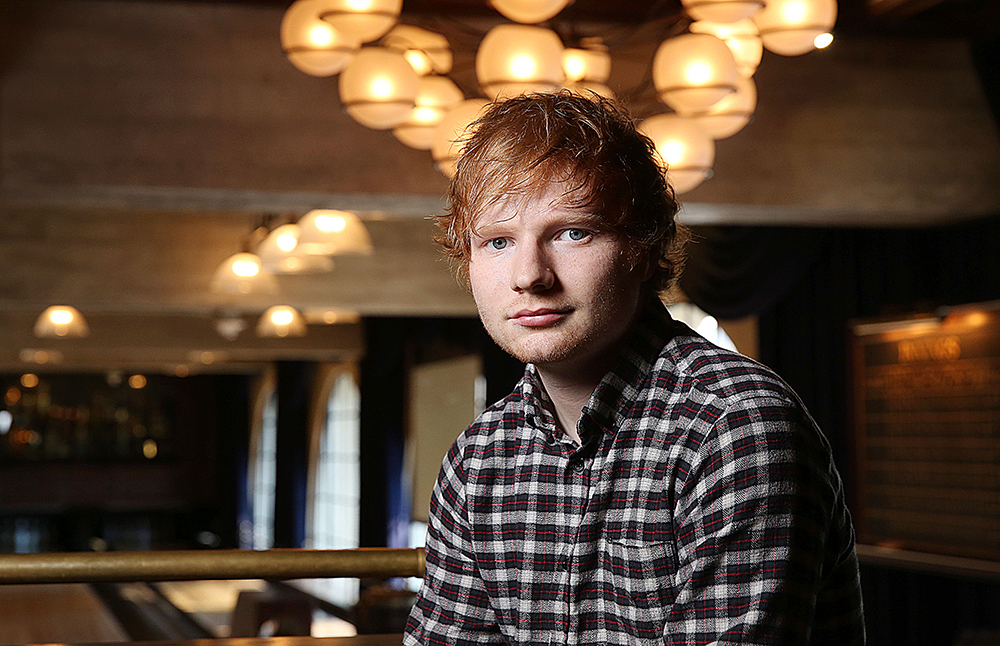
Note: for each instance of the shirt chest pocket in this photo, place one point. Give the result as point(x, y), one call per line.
point(638, 561)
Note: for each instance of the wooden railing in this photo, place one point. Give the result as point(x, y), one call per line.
point(194, 565)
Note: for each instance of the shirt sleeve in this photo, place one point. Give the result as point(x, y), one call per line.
point(765, 544)
point(452, 606)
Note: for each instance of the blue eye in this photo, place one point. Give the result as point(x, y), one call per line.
point(575, 235)
point(497, 244)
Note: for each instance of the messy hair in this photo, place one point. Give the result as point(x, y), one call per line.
point(520, 146)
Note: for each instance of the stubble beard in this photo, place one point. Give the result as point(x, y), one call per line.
point(559, 343)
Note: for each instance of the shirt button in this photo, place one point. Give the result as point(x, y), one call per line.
point(578, 466)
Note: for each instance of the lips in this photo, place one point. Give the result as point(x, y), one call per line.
point(539, 317)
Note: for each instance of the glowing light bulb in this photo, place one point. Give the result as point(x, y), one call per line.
point(794, 12)
point(419, 61)
point(287, 242)
point(329, 223)
point(321, 35)
point(381, 88)
point(574, 67)
point(672, 152)
point(522, 67)
point(360, 5)
point(245, 268)
point(698, 73)
point(281, 317)
point(61, 316)
point(823, 40)
point(426, 115)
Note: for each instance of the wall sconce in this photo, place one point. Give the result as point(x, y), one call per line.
point(61, 321)
point(281, 321)
point(280, 252)
point(243, 273)
point(333, 233)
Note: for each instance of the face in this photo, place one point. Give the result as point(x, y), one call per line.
point(552, 286)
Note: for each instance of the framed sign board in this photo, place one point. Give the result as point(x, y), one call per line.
point(927, 419)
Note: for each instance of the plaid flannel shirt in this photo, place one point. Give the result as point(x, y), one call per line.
point(702, 508)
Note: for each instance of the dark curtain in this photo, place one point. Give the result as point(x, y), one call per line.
point(806, 285)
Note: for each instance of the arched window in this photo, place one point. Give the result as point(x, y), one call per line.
point(263, 448)
point(334, 509)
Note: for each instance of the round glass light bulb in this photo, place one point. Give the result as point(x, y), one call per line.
point(435, 96)
point(586, 65)
point(450, 133)
point(365, 20)
point(742, 38)
point(529, 11)
point(722, 10)
point(790, 27)
point(312, 45)
point(515, 59)
point(426, 51)
point(378, 88)
point(731, 114)
point(693, 71)
point(685, 148)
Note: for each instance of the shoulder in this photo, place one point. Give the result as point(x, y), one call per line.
point(738, 404)
point(491, 431)
point(722, 379)
point(723, 372)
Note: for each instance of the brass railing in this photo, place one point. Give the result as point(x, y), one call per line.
point(194, 565)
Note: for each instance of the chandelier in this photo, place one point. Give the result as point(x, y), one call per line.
point(397, 77)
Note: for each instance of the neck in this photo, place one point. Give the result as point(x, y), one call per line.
point(569, 390)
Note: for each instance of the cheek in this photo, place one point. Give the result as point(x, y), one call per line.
point(481, 282)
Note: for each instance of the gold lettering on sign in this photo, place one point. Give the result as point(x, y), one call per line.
point(936, 349)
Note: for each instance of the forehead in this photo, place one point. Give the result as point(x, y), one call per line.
point(553, 200)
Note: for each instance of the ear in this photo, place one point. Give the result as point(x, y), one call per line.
point(646, 266)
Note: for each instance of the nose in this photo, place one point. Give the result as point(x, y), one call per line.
point(532, 271)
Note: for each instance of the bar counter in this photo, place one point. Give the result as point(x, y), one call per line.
point(357, 640)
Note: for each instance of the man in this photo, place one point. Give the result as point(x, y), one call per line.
point(640, 485)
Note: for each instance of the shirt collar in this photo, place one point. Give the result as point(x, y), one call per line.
point(615, 400)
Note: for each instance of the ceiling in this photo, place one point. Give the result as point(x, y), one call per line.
point(137, 147)
point(940, 18)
